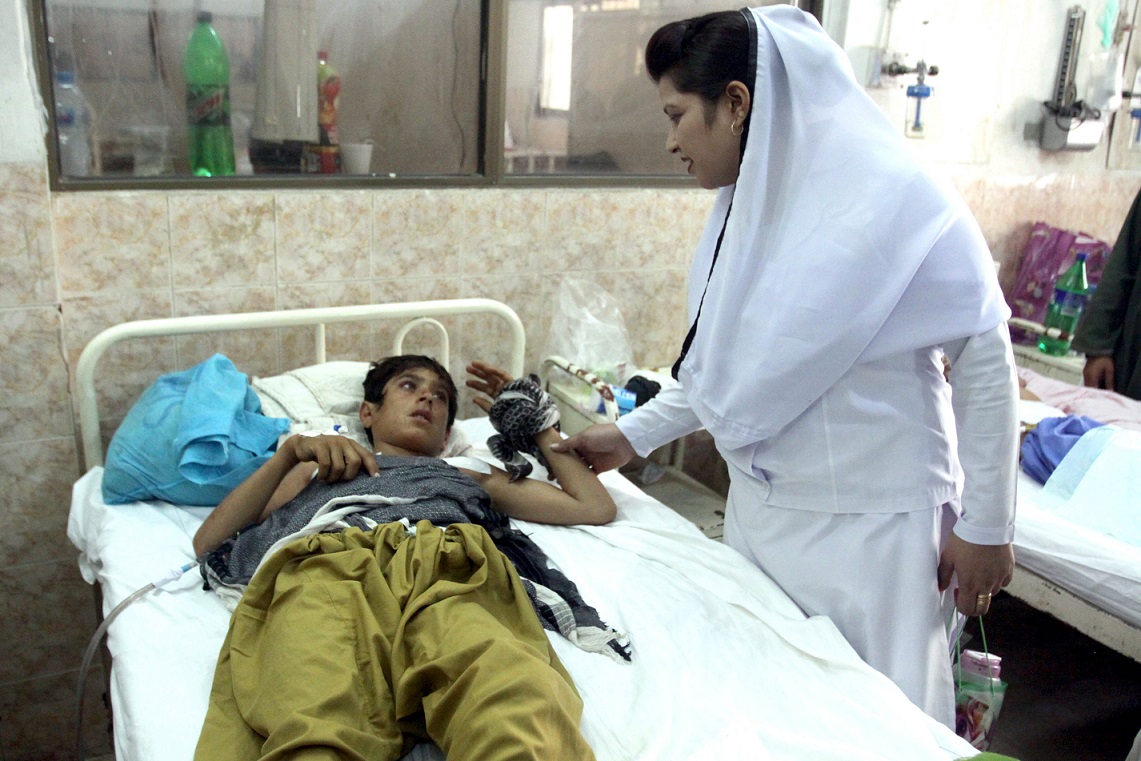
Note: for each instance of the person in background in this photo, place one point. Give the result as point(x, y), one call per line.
point(1109, 330)
point(832, 276)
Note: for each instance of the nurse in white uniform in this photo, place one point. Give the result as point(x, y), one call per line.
point(833, 276)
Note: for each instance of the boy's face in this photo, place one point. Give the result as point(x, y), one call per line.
point(413, 418)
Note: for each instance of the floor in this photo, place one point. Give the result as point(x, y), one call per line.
point(1068, 698)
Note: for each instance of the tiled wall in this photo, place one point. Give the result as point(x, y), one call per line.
point(74, 264)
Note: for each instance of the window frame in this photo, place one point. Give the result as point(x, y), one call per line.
point(490, 167)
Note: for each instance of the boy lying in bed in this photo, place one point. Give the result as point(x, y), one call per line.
point(355, 643)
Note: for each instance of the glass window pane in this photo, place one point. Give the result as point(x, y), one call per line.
point(613, 122)
point(409, 84)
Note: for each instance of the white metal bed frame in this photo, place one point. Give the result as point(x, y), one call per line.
point(1041, 593)
point(1099, 625)
point(417, 312)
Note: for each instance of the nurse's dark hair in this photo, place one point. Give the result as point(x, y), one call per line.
point(380, 373)
point(701, 55)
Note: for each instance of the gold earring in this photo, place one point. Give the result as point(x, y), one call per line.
point(737, 128)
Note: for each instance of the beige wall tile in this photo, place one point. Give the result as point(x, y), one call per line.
point(255, 352)
point(649, 229)
point(581, 227)
point(523, 293)
point(347, 341)
point(419, 233)
point(504, 232)
point(653, 304)
point(27, 261)
point(34, 402)
point(53, 601)
point(1106, 202)
point(323, 237)
point(111, 241)
point(37, 718)
point(424, 339)
point(129, 367)
point(37, 477)
point(220, 239)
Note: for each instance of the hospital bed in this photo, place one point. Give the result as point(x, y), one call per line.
point(724, 665)
point(1085, 577)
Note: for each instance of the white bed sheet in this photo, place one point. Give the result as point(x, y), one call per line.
point(1098, 568)
point(725, 666)
point(1094, 566)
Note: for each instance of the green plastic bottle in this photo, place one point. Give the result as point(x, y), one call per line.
point(1070, 294)
point(207, 67)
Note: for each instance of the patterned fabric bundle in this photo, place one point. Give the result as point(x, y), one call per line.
point(521, 410)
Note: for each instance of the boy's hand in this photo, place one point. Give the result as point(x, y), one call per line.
point(338, 458)
point(489, 380)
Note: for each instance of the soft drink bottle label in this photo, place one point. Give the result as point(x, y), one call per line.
point(208, 105)
point(1069, 303)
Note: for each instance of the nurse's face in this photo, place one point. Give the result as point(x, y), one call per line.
point(701, 133)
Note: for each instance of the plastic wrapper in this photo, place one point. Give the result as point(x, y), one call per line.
point(588, 330)
point(978, 699)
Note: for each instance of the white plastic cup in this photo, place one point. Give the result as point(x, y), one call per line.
point(356, 158)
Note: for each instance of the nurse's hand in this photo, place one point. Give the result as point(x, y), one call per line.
point(982, 570)
point(602, 446)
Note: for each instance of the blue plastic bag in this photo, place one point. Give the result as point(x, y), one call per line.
point(190, 438)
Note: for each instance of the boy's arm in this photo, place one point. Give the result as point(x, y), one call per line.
point(582, 500)
point(280, 479)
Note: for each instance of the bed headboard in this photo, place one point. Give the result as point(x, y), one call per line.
point(416, 312)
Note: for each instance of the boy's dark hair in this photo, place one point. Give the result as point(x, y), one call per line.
point(381, 372)
point(702, 55)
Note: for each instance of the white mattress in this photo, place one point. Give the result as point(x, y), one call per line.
point(725, 666)
point(1098, 568)
point(1102, 570)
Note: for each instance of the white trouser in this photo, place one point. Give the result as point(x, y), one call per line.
point(873, 574)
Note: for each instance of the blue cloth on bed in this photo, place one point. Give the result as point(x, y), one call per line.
point(190, 438)
point(1048, 442)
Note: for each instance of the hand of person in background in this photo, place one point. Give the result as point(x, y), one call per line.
point(1098, 372)
point(489, 380)
point(982, 570)
point(602, 446)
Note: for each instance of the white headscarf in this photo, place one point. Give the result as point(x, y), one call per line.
point(839, 248)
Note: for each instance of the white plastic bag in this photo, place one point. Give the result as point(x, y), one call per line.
point(1106, 79)
point(587, 328)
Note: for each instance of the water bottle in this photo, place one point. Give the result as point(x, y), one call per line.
point(73, 127)
point(207, 69)
point(1070, 295)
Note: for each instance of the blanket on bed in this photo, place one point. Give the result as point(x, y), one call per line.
point(416, 489)
point(402, 637)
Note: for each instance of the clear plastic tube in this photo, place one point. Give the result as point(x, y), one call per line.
point(97, 637)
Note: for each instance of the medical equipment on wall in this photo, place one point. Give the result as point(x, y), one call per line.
point(1070, 124)
point(872, 65)
point(914, 125)
point(1134, 96)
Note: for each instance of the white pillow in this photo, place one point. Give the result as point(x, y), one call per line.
point(330, 388)
point(327, 398)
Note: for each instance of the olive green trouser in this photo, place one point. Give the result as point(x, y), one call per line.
point(354, 645)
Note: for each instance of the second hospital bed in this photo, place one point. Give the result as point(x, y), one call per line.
point(725, 666)
point(1066, 566)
